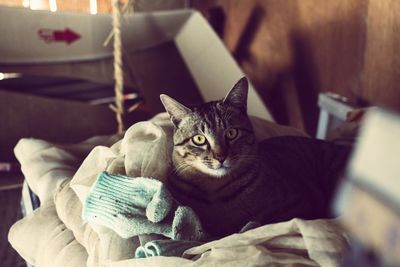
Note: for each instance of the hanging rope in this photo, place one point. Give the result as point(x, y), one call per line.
point(128, 7)
point(118, 72)
point(118, 107)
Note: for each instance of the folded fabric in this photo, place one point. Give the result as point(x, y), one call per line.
point(44, 241)
point(135, 206)
point(249, 226)
point(165, 248)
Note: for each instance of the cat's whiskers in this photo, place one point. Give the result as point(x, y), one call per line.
point(180, 168)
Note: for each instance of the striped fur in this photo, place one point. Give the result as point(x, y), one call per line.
point(230, 182)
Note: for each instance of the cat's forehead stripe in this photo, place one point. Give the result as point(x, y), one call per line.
point(202, 128)
point(214, 117)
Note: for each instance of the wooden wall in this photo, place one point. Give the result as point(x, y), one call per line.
point(381, 73)
point(292, 50)
point(103, 6)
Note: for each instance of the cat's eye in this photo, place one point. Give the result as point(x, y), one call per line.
point(199, 139)
point(232, 133)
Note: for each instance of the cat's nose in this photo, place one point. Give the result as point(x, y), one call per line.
point(220, 157)
point(219, 153)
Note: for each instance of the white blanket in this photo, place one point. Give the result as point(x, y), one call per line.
point(55, 234)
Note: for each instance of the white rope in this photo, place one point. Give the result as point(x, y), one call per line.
point(118, 71)
point(128, 7)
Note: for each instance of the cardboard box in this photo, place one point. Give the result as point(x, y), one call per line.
point(171, 52)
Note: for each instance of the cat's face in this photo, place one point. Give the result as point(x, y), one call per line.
point(215, 138)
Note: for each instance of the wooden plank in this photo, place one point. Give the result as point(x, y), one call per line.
point(381, 75)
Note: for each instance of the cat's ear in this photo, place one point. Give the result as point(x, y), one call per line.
point(237, 96)
point(175, 109)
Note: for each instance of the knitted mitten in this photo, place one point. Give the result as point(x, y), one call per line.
point(134, 206)
point(165, 248)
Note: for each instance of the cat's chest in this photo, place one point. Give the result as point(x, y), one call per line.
point(229, 208)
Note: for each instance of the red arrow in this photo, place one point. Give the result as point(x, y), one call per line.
point(68, 36)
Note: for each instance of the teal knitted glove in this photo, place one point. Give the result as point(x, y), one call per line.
point(165, 248)
point(134, 206)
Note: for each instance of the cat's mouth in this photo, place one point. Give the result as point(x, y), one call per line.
point(218, 172)
point(215, 169)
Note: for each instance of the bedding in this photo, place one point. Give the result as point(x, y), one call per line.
point(62, 175)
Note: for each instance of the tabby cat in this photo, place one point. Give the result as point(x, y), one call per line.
point(229, 179)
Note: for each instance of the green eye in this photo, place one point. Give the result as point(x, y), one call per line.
point(199, 139)
point(232, 133)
